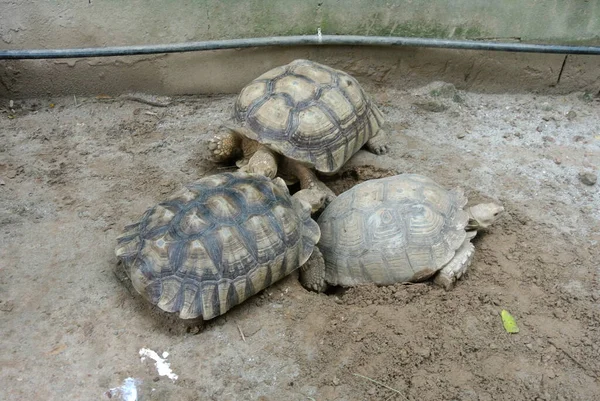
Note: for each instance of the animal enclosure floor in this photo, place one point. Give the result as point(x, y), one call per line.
point(75, 171)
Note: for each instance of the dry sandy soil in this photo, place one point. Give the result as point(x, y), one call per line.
point(75, 171)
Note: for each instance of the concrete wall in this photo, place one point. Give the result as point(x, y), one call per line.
point(62, 24)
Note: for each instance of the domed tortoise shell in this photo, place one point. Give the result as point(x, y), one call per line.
point(309, 112)
point(216, 243)
point(389, 230)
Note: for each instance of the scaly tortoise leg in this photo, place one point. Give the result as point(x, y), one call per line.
point(457, 266)
point(312, 273)
point(308, 179)
point(225, 145)
point(378, 143)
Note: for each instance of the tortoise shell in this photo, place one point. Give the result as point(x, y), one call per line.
point(216, 243)
point(309, 112)
point(395, 229)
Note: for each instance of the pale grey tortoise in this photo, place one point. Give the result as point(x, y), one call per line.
point(404, 228)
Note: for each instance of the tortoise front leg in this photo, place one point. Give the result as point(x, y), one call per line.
point(225, 145)
point(456, 267)
point(312, 273)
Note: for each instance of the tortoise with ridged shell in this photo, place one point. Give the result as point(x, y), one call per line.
point(403, 228)
point(297, 118)
point(218, 242)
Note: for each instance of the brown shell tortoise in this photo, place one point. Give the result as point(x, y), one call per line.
point(297, 118)
point(218, 242)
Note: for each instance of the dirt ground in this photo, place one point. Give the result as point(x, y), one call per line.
point(75, 171)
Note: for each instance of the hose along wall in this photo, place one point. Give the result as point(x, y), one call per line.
point(339, 40)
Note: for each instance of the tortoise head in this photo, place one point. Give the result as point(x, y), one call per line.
point(313, 198)
point(483, 215)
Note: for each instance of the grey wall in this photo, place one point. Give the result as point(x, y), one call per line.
point(63, 24)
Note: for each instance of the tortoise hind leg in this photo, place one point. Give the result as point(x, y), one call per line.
point(378, 143)
point(312, 273)
point(308, 179)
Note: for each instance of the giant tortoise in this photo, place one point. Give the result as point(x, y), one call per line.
point(298, 118)
point(403, 228)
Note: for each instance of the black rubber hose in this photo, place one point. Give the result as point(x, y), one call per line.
point(294, 41)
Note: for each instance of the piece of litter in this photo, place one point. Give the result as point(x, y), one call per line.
point(57, 350)
point(241, 333)
point(510, 325)
point(161, 364)
point(127, 391)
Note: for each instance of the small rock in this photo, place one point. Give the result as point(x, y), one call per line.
point(588, 178)
point(539, 128)
point(442, 89)
point(557, 160)
point(559, 314)
point(418, 381)
point(7, 306)
point(11, 174)
point(456, 98)
point(309, 391)
point(434, 107)
point(547, 138)
point(460, 135)
point(335, 381)
point(571, 115)
point(2, 182)
point(424, 352)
